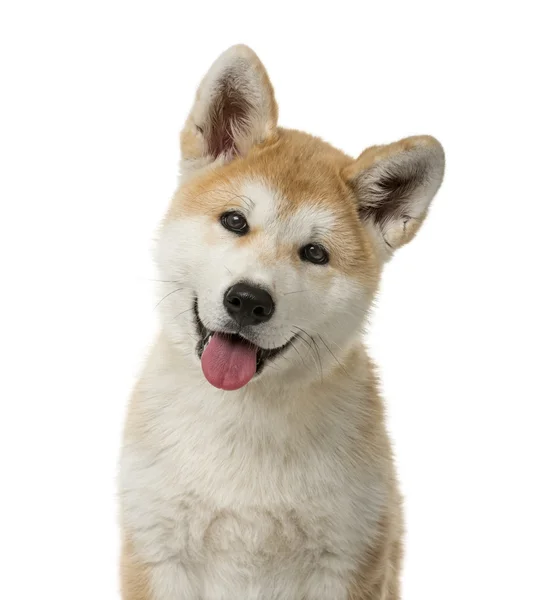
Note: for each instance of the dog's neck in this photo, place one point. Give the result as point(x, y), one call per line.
point(271, 412)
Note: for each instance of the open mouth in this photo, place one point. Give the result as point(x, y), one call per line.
point(228, 360)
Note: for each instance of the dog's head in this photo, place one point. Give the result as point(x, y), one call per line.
point(274, 242)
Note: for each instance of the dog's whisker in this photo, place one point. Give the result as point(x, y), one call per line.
point(181, 313)
point(303, 339)
point(310, 351)
point(167, 295)
point(319, 357)
point(315, 349)
point(293, 344)
point(331, 353)
point(166, 280)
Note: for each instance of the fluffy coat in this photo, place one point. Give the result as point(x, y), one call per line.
point(284, 488)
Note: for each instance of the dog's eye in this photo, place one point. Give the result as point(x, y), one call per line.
point(234, 221)
point(314, 253)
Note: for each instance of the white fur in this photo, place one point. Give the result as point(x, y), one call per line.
point(274, 491)
point(248, 494)
point(240, 66)
point(206, 271)
point(430, 158)
point(265, 492)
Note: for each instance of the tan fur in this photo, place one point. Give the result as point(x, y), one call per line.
point(379, 576)
point(297, 172)
point(379, 573)
point(134, 576)
point(374, 154)
point(191, 142)
point(304, 169)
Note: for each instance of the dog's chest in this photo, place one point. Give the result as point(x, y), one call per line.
point(240, 516)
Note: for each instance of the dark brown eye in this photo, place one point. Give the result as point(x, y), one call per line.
point(314, 253)
point(234, 221)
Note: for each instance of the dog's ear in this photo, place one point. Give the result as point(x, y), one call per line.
point(234, 109)
point(394, 185)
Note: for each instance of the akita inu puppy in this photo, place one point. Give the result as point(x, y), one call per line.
point(255, 462)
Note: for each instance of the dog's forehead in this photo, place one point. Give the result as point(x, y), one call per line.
point(271, 209)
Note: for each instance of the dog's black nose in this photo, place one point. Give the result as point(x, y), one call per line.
point(248, 304)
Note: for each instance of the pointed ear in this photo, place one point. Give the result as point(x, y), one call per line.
point(234, 109)
point(395, 184)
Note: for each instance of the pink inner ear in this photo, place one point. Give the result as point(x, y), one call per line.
point(227, 117)
point(386, 195)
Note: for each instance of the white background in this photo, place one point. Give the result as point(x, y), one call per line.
point(93, 97)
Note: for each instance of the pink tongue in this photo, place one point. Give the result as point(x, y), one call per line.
point(226, 364)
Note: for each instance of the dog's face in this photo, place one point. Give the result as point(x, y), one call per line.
point(273, 245)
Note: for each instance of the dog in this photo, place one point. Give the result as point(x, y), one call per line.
point(255, 461)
